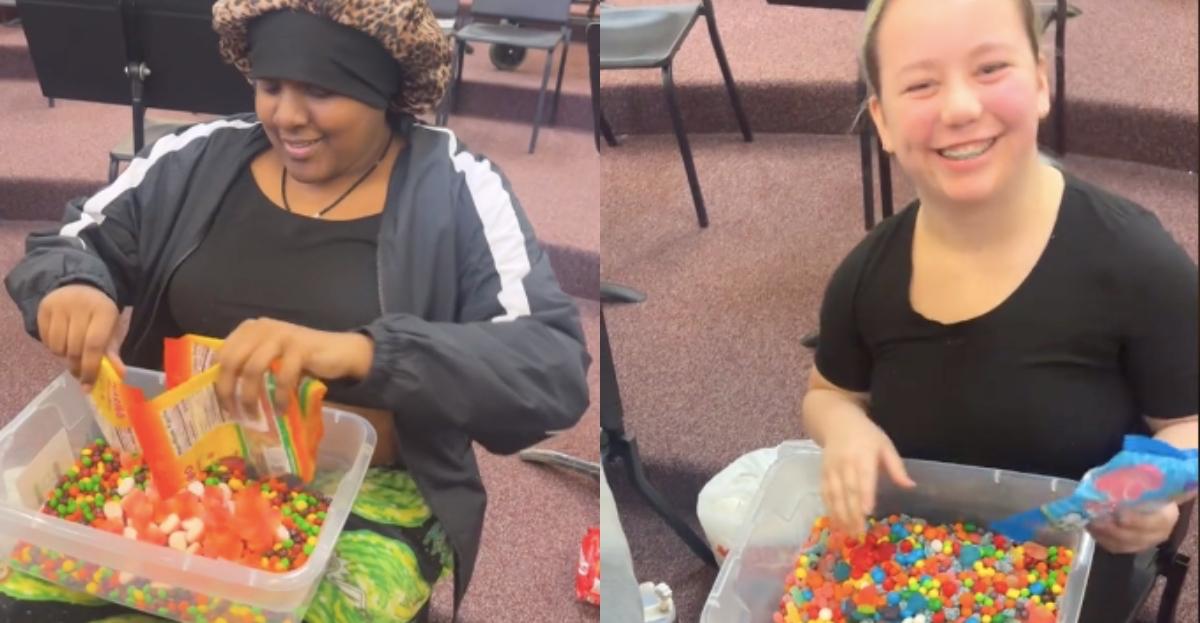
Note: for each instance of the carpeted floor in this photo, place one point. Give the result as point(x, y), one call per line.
point(1131, 77)
point(711, 365)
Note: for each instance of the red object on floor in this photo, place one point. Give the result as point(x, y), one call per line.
point(587, 577)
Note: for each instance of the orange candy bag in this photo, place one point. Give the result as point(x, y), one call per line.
point(183, 429)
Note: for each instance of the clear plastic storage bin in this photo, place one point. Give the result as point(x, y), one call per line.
point(43, 441)
point(751, 582)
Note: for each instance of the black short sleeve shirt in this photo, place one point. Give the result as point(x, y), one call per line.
point(1102, 333)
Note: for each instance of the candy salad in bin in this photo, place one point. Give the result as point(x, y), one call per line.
point(269, 524)
point(176, 470)
point(908, 570)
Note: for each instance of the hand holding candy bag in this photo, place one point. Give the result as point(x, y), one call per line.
point(1143, 476)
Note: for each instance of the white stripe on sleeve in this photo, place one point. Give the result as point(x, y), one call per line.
point(135, 173)
point(500, 227)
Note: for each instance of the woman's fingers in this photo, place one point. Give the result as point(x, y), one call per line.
point(44, 316)
point(77, 330)
point(868, 476)
point(114, 356)
point(852, 497)
point(95, 342)
point(835, 504)
point(250, 379)
point(894, 465)
point(56, 338)
point(1130, 531)
point(1114, 538)
point(288, 378)
point(1155, 523)
point(233, 355)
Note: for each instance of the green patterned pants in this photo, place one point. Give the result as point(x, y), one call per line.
point(386, 561)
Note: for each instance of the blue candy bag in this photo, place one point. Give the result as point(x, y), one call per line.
point(1144, 475)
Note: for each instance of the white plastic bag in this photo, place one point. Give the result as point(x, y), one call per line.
point(724, 501)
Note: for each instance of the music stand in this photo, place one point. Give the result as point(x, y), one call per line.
point(140, 53)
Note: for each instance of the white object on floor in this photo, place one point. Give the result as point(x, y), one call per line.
point(724, 501)
point(657, 604)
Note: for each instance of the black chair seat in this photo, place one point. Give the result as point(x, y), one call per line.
point(644, 37)
point(507, 34)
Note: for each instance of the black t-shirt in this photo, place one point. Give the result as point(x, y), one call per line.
point(259, 260)
point(1102, 333)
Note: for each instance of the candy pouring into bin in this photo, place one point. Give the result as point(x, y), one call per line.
point(40, 445)
point(788, 505)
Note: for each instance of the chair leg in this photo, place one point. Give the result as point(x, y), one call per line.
point(1060, 82)
point(685, 150)
point(561, 67)
point(1175, 576)
point(114, 168)
point(730, 86)
point(593, 49)
point(537, 117)
point(458, 71)
point(627, 451)
point(605, 128)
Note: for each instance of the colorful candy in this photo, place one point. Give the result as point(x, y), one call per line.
point(224, 513)
point(148, 596)
point(904, 570)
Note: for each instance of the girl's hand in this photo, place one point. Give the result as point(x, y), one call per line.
point(79, 323)
point(248, 352)
point(851, 456)
point(1130, 531)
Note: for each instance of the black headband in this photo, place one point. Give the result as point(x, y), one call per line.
point(292, 45)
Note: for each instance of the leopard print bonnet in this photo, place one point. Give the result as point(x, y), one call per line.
point(407, 29)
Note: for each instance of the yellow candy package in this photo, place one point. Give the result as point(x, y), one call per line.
point(286, 440)
point(184, 428)
point(115, 403)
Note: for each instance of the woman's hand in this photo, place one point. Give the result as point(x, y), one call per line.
point(247, 354)
point(852, 453)
point(1130, 531)
point(79, 323)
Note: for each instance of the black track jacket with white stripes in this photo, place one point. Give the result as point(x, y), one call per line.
point(477, 342)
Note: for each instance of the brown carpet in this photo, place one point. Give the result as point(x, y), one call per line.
point(711, 364)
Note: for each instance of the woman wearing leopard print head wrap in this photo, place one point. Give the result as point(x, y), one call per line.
point(334, 232)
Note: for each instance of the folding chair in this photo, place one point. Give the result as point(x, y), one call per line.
point(648, 38)
point(1059, 12)
point(1170, 564)
point(550, 12)
point(124, 151)
point(446, 12)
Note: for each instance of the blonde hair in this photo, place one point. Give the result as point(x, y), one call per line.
point(868, 55)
